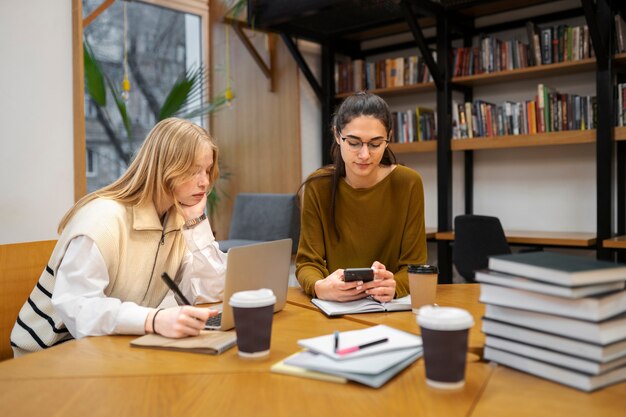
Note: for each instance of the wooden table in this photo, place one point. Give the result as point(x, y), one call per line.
point(541, 238)
point(105, 376)
point(452, 295)
point(509, 392)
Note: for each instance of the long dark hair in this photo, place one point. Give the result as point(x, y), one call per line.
point(356, 105)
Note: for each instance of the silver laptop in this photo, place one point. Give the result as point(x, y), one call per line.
point(251, 267)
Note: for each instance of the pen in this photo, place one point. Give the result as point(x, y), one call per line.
point(336, 340)
point(345, 351)
point(172, 286)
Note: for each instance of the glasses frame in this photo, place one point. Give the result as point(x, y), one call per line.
point(369, 148)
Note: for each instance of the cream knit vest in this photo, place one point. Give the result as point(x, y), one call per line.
point(136, 249)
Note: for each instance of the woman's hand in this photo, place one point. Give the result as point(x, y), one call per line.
point(195, 211)
point(334, 288)
point(177, 322)
point(383, 288)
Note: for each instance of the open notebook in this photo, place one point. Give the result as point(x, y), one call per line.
point(364, 305)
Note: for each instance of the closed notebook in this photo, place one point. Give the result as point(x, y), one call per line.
point(592, 351)
point(208, 342)
point(534, 285)
point(372, 371)
point(281, 367)
point(592, 308)
point(579, 380)
point(558, 268)
point(554, 357)
point(396, 339)
point(364, 305)
point(602, 333)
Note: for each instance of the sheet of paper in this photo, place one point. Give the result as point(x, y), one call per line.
point(397, 340)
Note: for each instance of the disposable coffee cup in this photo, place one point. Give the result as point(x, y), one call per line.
point(253, 311)
point(422, 285)
point(444, 337)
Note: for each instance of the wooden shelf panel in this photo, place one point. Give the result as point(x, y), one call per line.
point(533, 237)
point(620, 133)
point(561, 68)
point(540, 139)
point(414, 147)
point(431, 232)
point(398, 91)
point(617, 242)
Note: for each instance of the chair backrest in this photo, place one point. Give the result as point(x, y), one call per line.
point(21, 265)
point(475, 239)
point(263, 217)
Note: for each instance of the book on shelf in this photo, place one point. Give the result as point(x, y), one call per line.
point(603, 333)
point(579, 380)
point(550, 111)
point(558, 268)
point(554, 357)
point(592, 308)
point(355, 75)
point(208, 342)
point(592, 351)
point(515, 281)
point(620, 34)
point(364, 305)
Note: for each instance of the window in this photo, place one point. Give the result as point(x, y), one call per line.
point(161, 44)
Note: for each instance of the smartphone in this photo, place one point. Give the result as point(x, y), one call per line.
point(358, 274)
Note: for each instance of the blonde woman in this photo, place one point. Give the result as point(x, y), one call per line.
point(104, 274)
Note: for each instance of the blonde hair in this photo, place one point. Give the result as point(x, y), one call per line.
point(166, 159)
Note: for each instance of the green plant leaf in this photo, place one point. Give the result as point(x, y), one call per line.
point(180, 93)
point(94, 78)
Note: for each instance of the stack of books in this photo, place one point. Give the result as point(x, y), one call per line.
point(370, 356)
point(557, 316)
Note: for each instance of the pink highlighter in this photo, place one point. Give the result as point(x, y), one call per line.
point(351, 349)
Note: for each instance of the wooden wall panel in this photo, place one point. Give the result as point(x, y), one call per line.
point(21, 265)
point(259, 137)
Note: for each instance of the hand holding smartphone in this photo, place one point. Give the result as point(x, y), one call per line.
point(358, 274)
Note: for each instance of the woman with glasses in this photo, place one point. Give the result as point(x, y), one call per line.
point(362, 210)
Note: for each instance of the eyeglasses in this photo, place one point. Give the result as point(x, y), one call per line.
point(374, 145)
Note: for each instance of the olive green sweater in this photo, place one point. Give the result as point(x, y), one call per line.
point(382, 223)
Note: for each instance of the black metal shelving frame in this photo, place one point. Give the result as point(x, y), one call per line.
point(454, 19)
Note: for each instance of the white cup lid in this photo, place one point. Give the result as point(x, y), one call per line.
point(444, 318)
point(253, 298)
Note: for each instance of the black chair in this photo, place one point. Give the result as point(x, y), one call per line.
point(475, 239)
point(263, 217)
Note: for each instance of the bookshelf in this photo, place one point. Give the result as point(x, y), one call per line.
point(541, 238)
point(414, 147)
point(398, 91)
point(568, 137)
point(560, 68)
point(455, 20)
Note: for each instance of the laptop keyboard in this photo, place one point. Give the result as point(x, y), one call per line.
point(214, 321)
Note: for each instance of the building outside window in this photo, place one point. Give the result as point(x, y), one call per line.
point(161, 44)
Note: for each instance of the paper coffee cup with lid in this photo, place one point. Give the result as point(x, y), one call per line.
point(253, 311)
point(444, 335)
